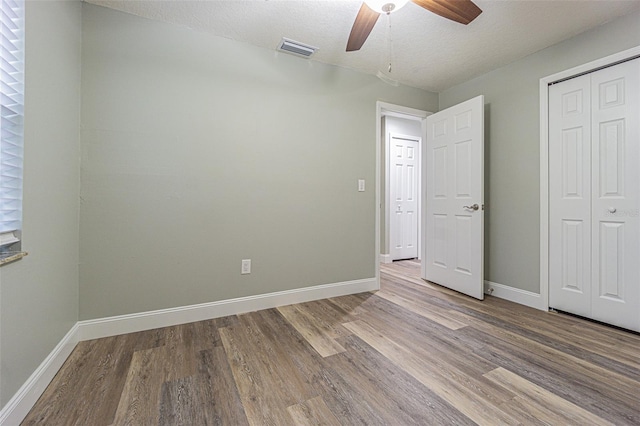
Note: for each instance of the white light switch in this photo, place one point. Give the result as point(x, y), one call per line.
point(360, 185)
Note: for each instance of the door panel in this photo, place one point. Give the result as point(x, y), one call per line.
point(463, 169)
point(404, 197)
point(463, 244)
point(454, 171)
point(573, 159)
point(439, 175)
point(616, 190)
point(573, 259)
point(611, 159)
point(570, 196)
point(611, 282)
point(439, 241)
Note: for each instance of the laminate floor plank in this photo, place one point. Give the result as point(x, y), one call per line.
point(267, 382)
point(550, 408)
point(577, 384)
point(313, 412)
point(105, 363)
point(583, 345)
point(142, 340)
point(612, 359)
point(627, 381)
point(318, 372)
point(59, 403)
point(258, 400)
point(351, 305)
point(604, 353)
point(412, 353)
point(493, 306)
point(385, 316)
point(387, 389)
point(560, 329)
point(217, 390)
point(443, 317)
point(324, 343)
point(140, 399)
point(325, 377)
point(286, 361)
point(393, 276)
point(180, 404)
point(441, 382)
point(207, 332)
point(617, 340)
point(328, 317)
point(181, 346)
point(108, 383)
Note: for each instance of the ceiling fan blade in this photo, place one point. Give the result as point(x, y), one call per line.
point(362, 27)
point(462, 11)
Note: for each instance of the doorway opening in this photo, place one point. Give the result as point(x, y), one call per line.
point(449, 192)
point(400, 132)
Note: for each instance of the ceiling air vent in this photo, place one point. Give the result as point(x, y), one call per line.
point(296, 48)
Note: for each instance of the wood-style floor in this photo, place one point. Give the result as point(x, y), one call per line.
point(412, 353)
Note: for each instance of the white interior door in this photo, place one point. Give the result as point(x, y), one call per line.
point(454, 202)
point(403, 182)
point(615, 98)
point(570, 195)
point(594, 195)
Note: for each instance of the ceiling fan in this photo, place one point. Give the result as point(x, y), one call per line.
point(462, 11)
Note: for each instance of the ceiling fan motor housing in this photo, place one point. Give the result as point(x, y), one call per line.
point(385, 6)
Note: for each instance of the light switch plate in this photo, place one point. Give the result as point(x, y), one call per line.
point(246, 267)
point(360, 185)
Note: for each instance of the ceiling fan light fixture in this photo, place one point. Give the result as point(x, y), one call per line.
point(385, 6)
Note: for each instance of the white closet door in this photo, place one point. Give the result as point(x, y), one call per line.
point(594, 195)
point(615, 132)
point(570, 196)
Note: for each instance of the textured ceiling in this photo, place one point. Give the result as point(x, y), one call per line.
point(428, 51)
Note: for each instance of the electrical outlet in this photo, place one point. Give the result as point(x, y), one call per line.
point(246, 267)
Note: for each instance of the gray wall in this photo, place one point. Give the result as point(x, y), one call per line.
point(404, 127)
point(512, 145)
point(199, 151)
point(39, 294)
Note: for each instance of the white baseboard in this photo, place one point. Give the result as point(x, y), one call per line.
point(19, 406)
point(523, 297)
point(385, 258)
point(112, 326)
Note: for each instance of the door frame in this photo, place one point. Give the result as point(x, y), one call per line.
point(607, 61)
point(382, 109)
point(386, 258)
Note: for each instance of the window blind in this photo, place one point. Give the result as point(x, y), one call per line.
point(11, 113)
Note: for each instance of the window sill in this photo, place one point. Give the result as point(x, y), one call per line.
point(12, 257)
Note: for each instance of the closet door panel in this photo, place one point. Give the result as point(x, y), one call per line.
point(615, 209)
point(570, 196)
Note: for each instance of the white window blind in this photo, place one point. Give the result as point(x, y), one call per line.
point(11, 113)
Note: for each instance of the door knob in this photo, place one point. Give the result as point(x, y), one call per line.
point(473, 207)
point(612, 209)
